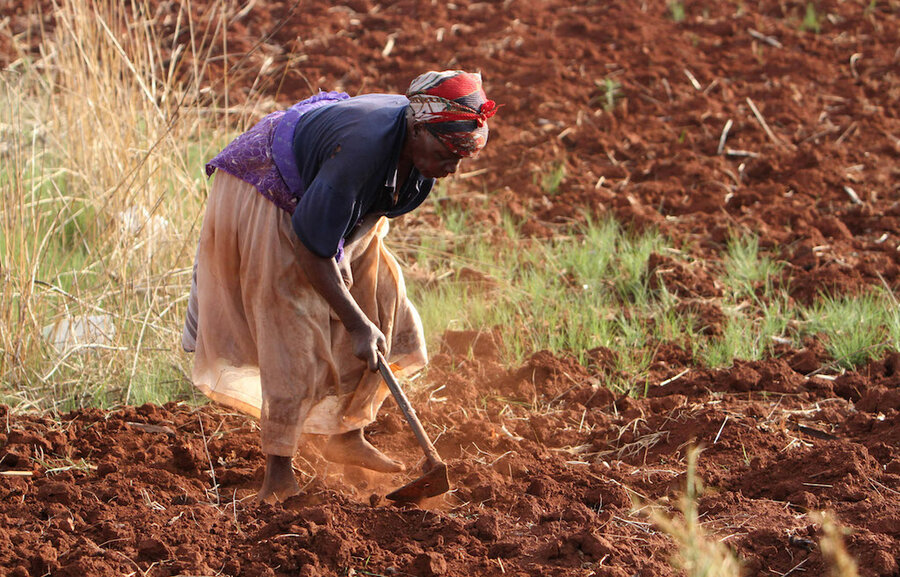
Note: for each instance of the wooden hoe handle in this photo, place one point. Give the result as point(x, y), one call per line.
point(409, 412)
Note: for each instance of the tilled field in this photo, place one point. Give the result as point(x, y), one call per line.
point(551, 472)
point(546, 476)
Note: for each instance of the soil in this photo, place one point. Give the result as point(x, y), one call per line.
point(552, 474)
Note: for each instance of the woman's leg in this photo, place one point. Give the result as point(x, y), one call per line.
point(257, 343)
point(279, 482)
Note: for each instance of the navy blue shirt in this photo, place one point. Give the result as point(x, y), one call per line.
point(347, 154)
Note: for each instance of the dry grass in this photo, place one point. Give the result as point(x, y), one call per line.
point(838, 560)
point(104, 140)
point(699, 554)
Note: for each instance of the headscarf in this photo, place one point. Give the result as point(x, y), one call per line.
point(453, 107)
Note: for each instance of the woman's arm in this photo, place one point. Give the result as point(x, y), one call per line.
point(325, 277)
point(362, 229)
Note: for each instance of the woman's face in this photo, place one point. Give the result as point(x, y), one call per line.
point(430, 156)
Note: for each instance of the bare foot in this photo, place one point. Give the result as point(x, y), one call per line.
point(352, 448)
point(279, 482)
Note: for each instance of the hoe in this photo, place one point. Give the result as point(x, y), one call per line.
point(434, 481)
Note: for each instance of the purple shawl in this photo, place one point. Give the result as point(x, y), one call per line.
point(263, 156)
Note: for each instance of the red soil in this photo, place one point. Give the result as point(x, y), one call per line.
point(545, 462)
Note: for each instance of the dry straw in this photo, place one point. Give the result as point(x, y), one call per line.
point(699, 554)
point(104, 137)
point(838, 560)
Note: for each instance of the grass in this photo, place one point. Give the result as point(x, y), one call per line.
point(811, 20)
point(750, 332)
point(677, 11)
point(892, 316)
point(611, 93)
point(552, 179)
point(102, 189)
point(855, 328)
point(757, 311)
point(699, 554)
point(589, 287)
point(840, 563)
point(746, 269)
point(56, 465)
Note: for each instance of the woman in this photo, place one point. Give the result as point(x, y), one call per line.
point(294, 292)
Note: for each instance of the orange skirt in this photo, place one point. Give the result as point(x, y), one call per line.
point(268, 344)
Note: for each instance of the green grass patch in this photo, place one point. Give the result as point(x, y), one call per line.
point(552, 179)
point(610, 93)
point(811, 20)
point(677, 11)
point(589, 287)
point(746, 271)
point(855, 328)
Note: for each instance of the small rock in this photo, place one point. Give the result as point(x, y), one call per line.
point(483, 493)
point(487, 528)
point(430, 564)
point(595, 546)
point(152, 550)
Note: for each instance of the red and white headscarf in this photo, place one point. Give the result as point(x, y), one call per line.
point(454, 108)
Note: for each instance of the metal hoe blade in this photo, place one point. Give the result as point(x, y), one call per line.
point(434, 482)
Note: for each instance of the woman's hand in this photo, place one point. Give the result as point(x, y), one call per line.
point(367, 342)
